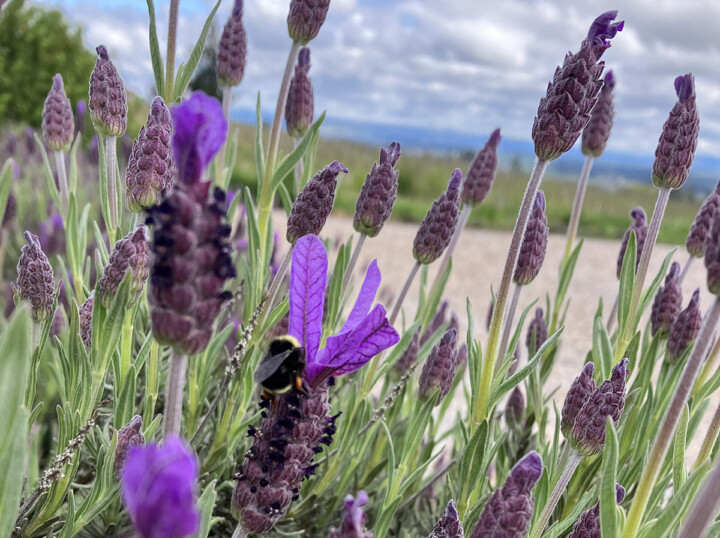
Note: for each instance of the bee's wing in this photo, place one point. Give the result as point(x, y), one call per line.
point(269, 364)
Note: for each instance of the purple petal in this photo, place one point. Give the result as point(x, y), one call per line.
point(368, 290)
point(307, 291)
point(347, 352)
point(199, 129)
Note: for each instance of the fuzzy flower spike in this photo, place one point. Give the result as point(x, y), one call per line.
point(297, 424)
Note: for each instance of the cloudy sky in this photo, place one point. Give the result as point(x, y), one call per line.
point(461, 65)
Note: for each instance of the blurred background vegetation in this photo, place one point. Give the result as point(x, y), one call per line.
point(36, 43)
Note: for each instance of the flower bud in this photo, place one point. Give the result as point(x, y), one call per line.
point(439, 370)
point(536, 332)
point(532, 250)
point(85, 313)
point(573, 92)
point(305, 19)
point(667, 303)
point(578, 395)
point(588, 524)
point(108, 100)
point(300, 107)
point(597, 132)
point(712, 255)
point(232, 49)
point(36, 282)
point(676, 148)
point(515, 407)
point(481, 172)
point(150, 167)
point(639, 226)
point(353, 520)
point(409, 357)
point(449, 525)
point(130, 254)
point(58, 124)
point(700, 228)
point(510, 509)
point(314, 203)
point(608, 400)
point(438, 226)
point(377, 195)
point(128, 437)
point(684, 329)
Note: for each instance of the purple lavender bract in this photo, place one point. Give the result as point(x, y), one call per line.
point(159, 485)
point(676, 148)
point(232, 49)
point(508, 512)
point(300, 107)
point(639, 226)
point(597, 132)
point(377, 195)
point(449, 525)
point(534, 245)
point(353, 520)
point(439, 370)
point(667, 303)
point(684, 329)
point(700, 229)
point(129, 436)
point(36, 282)
point(578, 395)
point(305, 19)
point(481, 172)
point(58, 124)
point(108, 100)
point(129, 254)
point(437, 228)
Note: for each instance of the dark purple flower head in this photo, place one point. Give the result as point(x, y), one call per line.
point(85, 313)
point(597, 132)
point(536, 332)
point(508, 512)
point(129, 436)
point(577, 397)
point(300, 107)
point(438, 226)
point(684, 329)
point(314, 203)
point(608, 400)
point(35, 280)
point(58, 124)
point(305, 19)
point(481, 172)
point(129, 254)
point(573, 92)
point(377, 195)
point(108, 100)
point(676, 148)
point(353, 520)
point(712, 255)
point(449, 524)
point(534, 245)
point(588, 524)
point(700, 228)
point(439, 369)
point(159, 484)
point(515, 407)
point(199, 130)
point(232, 49)
point(639, 226)
point(667, 302)
point(410, 355)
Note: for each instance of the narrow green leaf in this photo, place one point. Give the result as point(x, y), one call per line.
point(259, 151)
point(6, 177)
point(186, 70)
point(627, 282)
point(206, 503)
point(285, 198)
point(157, 60)
point(608, 496)
point(432, 301)
point(471, 465)
point(649, 294)
point(602, 349)
point(287, 165)
point(679, 472)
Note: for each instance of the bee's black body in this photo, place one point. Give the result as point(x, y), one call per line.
point(282, 368)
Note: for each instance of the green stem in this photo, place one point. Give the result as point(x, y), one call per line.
point(612, 317)
point(577, 207)
point(707, 368)
point(126, 346)
point(403, 293)
point(709, 441)
point(111, 161)
point(557, 492)
point(685, 269)
point(481, 403)
point(351, 264)
point(152, 382)
point(240, 532)
point(297, 183)
point(174, 394)
point(170, 56)
point(220, 159)
point(705, 507)
point(62, 181)
point(626, 332)
point(667, 429)
point(508, 324)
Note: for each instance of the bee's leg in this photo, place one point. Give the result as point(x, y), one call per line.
point(299, 386)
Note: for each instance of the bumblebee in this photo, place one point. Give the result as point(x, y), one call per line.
point(281, 369)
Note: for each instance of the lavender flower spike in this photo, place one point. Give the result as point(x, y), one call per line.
point(232, 49)
point(437, 228)
point(409, 357)
point(685, 329)
point(85, 314)
point(449, 525)
point(305, 19)
point(439, 370)
point(130, 254)
point(534, 245)
point(150, 167)
point(108, 100)
point(700, 228)
point(515, 407)
point(597, 132)
point(36, 282)
point(58, 124)
point(588, 524)
point(571, 95)
point(481, 172)
point(712, 256)
point(353, 520)
point(295, 427)
point(538, 330)
point(676, 148)
point(639, 226)
point(314, 203)
point(508, 512)
point(608, 400)
point(578, 395)
point(159, 486)
point(377, 195)
point(129, 436)
point(300, 107)
point(667, 303)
